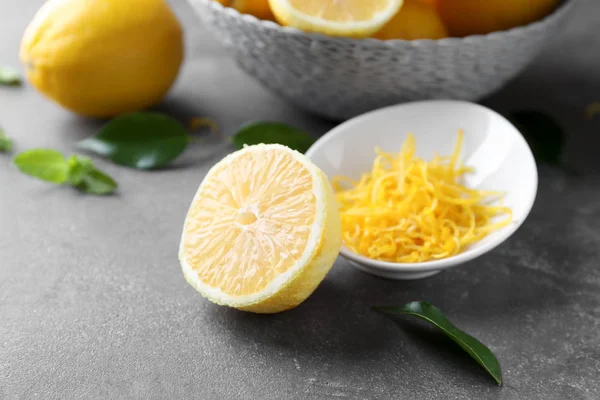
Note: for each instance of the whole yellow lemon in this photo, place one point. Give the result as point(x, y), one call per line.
point(470, 17)
point(102, 58)
point(258, 8)
point(416, 19)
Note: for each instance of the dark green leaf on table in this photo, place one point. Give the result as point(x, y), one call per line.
point(76, 171)
point(543, 134)
point(45, 164)
point(5, 142)
point(477, 350)
point(9, 76)
point(141, 140)
point(272, 132)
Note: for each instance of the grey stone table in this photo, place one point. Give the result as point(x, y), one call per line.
point(93, 304)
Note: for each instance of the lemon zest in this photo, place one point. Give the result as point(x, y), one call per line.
point(408, 210)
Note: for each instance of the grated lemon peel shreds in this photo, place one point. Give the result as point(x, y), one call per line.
point(408, 210)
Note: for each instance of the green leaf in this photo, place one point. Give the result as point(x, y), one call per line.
point(474, 347)
point(86, 178)
point(96, 182)
point(45, 164)
point(543, 134)
point(5, 142)
point(77, 171)
point(141, 140)
point(78, 167)
point(9, 76)
point(272, 132)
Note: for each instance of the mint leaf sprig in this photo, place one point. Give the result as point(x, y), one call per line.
point(77, 171)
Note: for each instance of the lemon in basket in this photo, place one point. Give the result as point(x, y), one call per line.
point(416, 20)
point(470, 17)
point(355, 18)
point(262, 231)
point(258, 8)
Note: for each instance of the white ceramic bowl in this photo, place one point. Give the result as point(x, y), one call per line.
point(342, 77)
point(492, 145)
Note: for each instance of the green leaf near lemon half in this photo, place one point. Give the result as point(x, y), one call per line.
point(142, 140)
point(102, 58)
point(272, 132)
point(427, 312)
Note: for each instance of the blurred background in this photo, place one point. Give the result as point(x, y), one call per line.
point(93, 303)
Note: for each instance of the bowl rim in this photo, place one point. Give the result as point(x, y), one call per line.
point(559, 11)
point(465, 256)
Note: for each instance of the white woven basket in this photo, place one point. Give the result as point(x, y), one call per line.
point(340, 78)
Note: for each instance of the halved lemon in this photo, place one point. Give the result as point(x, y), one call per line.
point(355, 18)
point(262, 232)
